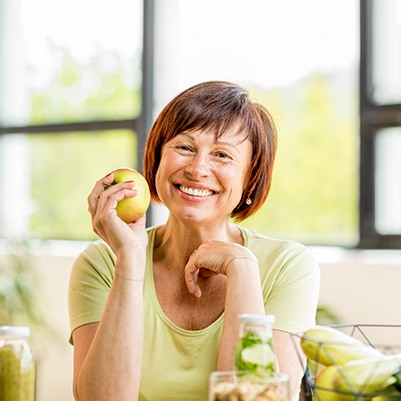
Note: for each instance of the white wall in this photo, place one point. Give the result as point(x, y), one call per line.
point(54, 354)
point(360, 287)
point(363, 287)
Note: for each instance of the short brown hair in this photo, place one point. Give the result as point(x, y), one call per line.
point(218, 106)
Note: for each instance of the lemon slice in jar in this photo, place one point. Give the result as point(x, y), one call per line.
point(259, 354)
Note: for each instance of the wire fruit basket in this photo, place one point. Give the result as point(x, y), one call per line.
point(348, 362)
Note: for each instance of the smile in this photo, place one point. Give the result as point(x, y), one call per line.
point(196, 191)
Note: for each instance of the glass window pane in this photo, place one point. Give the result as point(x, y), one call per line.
point(304, 69)
point(64, 171)
point(15, 186)
point(69, 61)
point(386, 58)
point(388, 181)
point(47, 178)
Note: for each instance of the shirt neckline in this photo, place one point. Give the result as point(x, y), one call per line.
point(150, 283)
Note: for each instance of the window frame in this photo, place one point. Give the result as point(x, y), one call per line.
point(139, 125)
point(373, 117)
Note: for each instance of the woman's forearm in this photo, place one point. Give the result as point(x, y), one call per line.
point(111, 368)
point(290, 361)
point(244, 295)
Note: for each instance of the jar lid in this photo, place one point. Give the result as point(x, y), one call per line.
point(257, 319)
point(15, 331)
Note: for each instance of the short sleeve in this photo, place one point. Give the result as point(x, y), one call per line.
point(293, 284)
point(90, 283)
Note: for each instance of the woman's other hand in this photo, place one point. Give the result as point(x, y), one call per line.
point(216, 257)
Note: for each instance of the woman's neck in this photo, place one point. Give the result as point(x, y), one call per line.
point(176, 241)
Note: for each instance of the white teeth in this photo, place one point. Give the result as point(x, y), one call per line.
point(195, 191)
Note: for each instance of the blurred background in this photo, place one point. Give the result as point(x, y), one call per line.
point(81, 83)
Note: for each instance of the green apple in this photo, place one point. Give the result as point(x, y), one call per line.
point(131, 209)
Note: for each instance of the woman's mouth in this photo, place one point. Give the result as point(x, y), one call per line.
point(195, 191)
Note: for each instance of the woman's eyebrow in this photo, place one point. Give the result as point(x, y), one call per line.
point(187, 134)
point(218, 141)
point(232, 145)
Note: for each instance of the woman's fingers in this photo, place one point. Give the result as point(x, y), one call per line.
point(191, 279)
point(109, 198)
point(105, 196)
point(211, 258)
point(97, 190)
point(196, 267)
point(102, 203)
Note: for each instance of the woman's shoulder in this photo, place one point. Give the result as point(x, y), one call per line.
point(100, 250)
point(256, 239)
point(279, 250)
point(96, 260)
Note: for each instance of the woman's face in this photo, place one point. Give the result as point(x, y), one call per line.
point(202, 179)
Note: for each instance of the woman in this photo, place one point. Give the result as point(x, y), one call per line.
point(154, 311)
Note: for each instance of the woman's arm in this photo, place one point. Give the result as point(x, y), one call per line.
point(108, 355)
point(295, 299)
point(288, 353)
point(243, 295)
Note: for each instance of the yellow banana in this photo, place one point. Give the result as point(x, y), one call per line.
point(328, 346)
point(341, 383)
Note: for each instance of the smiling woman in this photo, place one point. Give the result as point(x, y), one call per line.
point(215, 168)
point(171, 294)
point(230, 112)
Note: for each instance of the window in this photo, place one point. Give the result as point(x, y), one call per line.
point(80, 76)
point(71, 108)
point(380, 116)
point(300, 59)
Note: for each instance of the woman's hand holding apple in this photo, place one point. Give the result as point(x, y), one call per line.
point(131, 209)
point(103, 202)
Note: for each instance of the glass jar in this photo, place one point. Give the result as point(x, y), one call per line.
point(255, 351)
point(17, 367)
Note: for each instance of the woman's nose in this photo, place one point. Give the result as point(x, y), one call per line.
point(198, 166)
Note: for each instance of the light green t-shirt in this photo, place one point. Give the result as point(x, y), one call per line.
point(177, 362)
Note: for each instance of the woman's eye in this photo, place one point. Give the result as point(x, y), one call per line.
point(184, 148)
point(223, 156)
